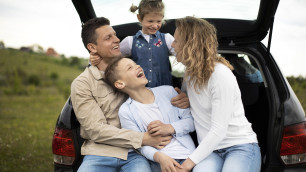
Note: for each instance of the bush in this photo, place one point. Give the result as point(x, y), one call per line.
point(54, 76)
point(34, 80)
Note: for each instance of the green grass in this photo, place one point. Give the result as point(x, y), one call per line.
point(29, 110)
point(27, 125)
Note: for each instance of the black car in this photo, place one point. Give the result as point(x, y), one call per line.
point(270, 104)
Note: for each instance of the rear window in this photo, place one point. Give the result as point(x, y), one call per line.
point(118, 10)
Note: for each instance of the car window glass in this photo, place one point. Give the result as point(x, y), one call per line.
point(118, 10)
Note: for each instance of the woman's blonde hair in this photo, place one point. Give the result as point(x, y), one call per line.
point(147, 6)
point(199, 44)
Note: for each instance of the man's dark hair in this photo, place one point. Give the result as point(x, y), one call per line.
point(89, 30)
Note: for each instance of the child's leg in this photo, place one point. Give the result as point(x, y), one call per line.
point(155, 167)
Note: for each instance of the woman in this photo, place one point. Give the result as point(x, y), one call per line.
point(226, 139)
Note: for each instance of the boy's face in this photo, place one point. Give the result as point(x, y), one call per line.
point(151, 22)
point(107, 45)
point(130, 74)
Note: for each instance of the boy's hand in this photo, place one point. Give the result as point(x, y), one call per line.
point(181, 100)
point(157, 142)
point(156, 128)
point(167, 164)
point(95, 59)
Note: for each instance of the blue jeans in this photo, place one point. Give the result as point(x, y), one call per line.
point(238, 158)
point(134, 163)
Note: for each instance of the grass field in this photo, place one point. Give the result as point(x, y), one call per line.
point(27, 126)
point(33, 90)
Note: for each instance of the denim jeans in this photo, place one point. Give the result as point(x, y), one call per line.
point(238, 158)
point(155, 166)
point(134, 163)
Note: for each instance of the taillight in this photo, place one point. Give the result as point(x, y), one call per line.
point(63, 146)
point(293, 149)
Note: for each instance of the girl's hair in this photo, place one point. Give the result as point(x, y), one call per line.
point(147, 6)
point(110, 74)
point(199, 44)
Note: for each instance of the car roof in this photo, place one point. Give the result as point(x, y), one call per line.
point(235, 30)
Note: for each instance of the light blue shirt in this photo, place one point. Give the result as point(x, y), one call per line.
point(180, 119)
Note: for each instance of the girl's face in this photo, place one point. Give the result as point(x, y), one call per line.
point(151, 22)
point(177, 45)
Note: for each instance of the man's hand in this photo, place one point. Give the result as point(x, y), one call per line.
point(157, 142)
point(181, 100)
point(167, 164)
point(156, 128)
point(94, 58)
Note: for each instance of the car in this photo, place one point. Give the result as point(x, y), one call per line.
point(270, 104)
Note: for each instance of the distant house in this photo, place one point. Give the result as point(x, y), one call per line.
point(26, 49)
point(52, 52)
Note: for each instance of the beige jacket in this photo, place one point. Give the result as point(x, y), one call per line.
point(96, 107)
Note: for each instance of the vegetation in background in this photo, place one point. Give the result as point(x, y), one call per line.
point(33, 90)
point(298, 84)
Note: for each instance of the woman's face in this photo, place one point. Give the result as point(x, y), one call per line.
point(177, 45)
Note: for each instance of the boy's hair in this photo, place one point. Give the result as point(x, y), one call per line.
point(89, 34)
point(147, 6)
point(110, 74)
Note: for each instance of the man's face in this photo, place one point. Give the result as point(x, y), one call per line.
point(151, 22)
point(131, 74)
point(107, 43)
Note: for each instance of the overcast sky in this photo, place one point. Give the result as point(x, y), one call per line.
point(55, 23)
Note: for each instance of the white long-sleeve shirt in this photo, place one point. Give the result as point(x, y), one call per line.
point(218, 114)
point(127, 43)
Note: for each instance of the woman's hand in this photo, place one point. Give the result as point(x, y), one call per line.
point(186, 166)
point(156, 128)
point(181, 100)
point(167, 164)
point(94, 58)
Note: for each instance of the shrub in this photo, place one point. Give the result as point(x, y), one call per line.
point(34, 80)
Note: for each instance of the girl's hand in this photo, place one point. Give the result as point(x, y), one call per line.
point(95, 59)
point(181, 100)
point(167, 164)
point(156, 128)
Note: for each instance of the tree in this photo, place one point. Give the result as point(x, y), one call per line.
point(2, 46)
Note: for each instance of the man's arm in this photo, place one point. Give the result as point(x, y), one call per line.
point(93, 121)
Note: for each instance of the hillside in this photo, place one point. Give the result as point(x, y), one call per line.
point(21, 73)
point(33, 90)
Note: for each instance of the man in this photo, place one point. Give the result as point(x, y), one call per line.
point(106, 146)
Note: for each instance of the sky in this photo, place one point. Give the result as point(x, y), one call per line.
point(56, 24)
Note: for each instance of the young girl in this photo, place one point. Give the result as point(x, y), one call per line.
point(226, 139)
point(149, 48)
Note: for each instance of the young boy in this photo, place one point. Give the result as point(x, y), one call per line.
point(150, 109)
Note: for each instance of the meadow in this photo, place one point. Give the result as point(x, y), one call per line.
point(33, 90)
